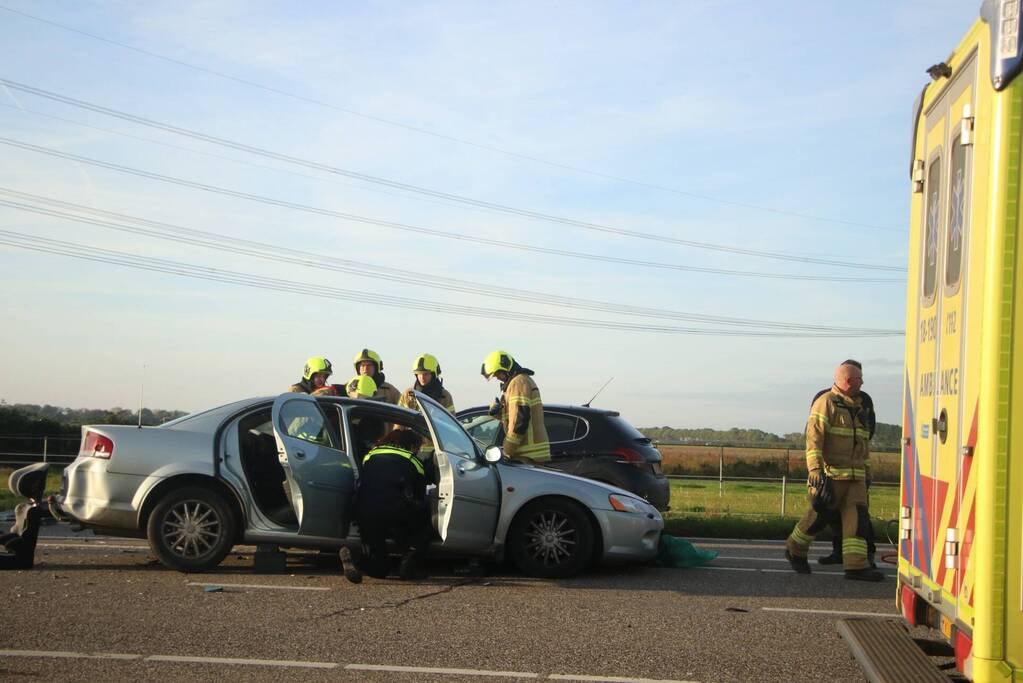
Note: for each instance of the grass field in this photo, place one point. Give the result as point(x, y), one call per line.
point(757, 462)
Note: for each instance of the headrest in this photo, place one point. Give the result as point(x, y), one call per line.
point(30, 481)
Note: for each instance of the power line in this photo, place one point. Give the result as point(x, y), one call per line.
point(112, 257)
point(280, 254)
point(400, 226)
point(326, 168)
point(444, 136)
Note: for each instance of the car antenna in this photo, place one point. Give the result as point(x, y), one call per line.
point(587, 404)
point(142, 389)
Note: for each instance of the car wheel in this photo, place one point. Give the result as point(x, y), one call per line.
point(191, 529)
point(551, 538)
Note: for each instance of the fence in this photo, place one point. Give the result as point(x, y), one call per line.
point(752, 462)
point(16, 451)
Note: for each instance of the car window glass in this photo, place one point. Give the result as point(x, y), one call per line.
point(333, 413)
point(483, 428)
point(560, 427)
point(453, 439)
point(303, 420)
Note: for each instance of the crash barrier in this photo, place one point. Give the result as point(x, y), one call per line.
point(16, 451)
point(757, 496)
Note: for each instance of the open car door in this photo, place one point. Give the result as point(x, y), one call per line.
point(468, 488)
point(320, 477)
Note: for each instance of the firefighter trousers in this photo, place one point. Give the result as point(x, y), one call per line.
point(851, 505)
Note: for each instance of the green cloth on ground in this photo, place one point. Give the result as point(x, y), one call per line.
point(678, 552)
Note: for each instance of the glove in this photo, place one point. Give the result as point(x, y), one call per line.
point(815, 479)
point(822, 491)
point(495, 407)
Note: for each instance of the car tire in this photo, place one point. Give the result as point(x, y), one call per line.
point(551, 538)
point(191, 529)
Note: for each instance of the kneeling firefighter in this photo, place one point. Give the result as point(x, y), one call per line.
point(520, 408)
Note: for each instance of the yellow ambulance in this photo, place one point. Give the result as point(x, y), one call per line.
point(961, 526)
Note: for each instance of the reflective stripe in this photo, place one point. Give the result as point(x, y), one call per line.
point(523, 400)
point(391, 450)
point(841, 431)
point(513, 437)
point(845, 472)
point(854, 546)
point(799, 538)
point(819, 417)
point(539, 451)
point(810, 452)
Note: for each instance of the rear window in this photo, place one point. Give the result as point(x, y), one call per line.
point(625, 429)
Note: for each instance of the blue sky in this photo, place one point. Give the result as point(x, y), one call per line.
point(800, 109)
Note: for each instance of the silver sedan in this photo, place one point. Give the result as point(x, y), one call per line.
point(284, 471)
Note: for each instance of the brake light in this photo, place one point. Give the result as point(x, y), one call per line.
point(96, 445)
point(964, 653)
point(630, 456)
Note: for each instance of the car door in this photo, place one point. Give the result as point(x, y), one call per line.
point(320, 476)
point(468, 489)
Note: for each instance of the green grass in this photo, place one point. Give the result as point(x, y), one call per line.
point(753, 509)
point(8, 500)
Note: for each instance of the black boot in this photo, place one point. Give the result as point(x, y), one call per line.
point(798, 564)
point(352, 572)
point(865, 574)
point(830, 559)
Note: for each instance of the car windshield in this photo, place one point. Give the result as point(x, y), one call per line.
point(453, 439)
point(483, 429)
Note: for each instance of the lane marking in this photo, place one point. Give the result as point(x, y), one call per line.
point(880, 567)
point(880, 615)
point(261, 586)
point(432, 670)
point(241, 662)
point(728, 569)
point(92, 546)
point(614, 679)
point(285, 663)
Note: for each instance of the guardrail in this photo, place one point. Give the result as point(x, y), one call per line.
point(16, 451)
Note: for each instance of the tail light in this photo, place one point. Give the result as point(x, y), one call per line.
point(630, 456)
point(96, 445)
point(963, 645)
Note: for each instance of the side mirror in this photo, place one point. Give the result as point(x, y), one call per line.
point(493, 454)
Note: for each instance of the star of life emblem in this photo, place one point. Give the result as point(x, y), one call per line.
point(958, 200)
point(932, 230)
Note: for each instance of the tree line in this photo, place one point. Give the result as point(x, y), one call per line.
point(887, 437)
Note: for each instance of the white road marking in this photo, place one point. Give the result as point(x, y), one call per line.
point(261, 586)
point(92, 546)
point(880, 615)
point(432, 670)
point(242, 662)
point(285, 663)
point(728, 569)
point(613, 679)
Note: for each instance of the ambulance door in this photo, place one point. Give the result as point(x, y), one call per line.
point(922, 470)
point(955, 416)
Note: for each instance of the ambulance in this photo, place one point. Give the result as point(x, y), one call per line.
point(961, 518)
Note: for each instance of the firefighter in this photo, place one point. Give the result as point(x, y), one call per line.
point(519, 407)
point(392, 504)
point(314, 378)
point(367, 362)
point(838, 466)
point(835, 522)
point(426, 369)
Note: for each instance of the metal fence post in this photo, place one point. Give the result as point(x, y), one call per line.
point(46, 442)
point(784, 482)
point(721, 471)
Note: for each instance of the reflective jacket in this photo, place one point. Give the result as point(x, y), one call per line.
point(837, 436)
point(522, 419)
point(408, 400)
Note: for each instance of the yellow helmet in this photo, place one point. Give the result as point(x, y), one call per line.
point(426, 363)
point(362, 386)
point(496, 361)
point(369, 354)
point(316, 364)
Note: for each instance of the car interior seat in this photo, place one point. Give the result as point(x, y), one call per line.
point(20, 542)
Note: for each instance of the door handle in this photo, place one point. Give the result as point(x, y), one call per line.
point(461, 469)
point(300, 454)
point(940, 425)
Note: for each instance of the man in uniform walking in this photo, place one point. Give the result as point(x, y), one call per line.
point(838, 466)
point(520, 409)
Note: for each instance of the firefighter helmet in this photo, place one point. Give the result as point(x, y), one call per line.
point(369, 354)
point(427, 363)
point(361, 386)
point(496, 361)
point(316, 364)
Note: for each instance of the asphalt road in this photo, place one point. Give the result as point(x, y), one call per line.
point(101, 608)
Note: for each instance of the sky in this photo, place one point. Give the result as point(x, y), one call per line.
point(600, 163)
